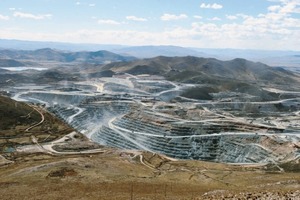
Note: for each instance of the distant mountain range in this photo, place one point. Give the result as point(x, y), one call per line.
point(14, 58)
point(154, 51)
point(187, 69)
point(270, 57)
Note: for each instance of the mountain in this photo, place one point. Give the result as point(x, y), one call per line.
point(191, 69)
point(282, 58)
point(154, 51)
point(96, 57)
point(237, 75)
point(48, 54)
point(10, 63)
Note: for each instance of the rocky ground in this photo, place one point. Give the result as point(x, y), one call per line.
point(116, 174)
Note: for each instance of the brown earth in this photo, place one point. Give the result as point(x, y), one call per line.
point(117, 174)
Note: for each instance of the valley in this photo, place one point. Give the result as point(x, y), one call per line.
point(144, 112)
point(156, 128)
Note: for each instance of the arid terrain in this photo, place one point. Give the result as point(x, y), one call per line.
point(115, 174)
point(159, 128)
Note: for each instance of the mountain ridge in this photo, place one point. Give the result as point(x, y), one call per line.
point(48, 54)
point(172, 67)
point(284, 58)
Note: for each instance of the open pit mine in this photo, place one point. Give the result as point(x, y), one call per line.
point(148, 112)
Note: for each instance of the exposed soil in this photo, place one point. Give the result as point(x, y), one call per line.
point(124, 175)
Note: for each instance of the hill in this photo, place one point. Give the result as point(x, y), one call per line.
point(237, 75)
point(53, 55)
point(15, 113)
point(7, 78)
point(10, 63)
point(20, 122)
point(270, 57)
point(197, 70)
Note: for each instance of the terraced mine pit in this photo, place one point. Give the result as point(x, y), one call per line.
point(149, 113)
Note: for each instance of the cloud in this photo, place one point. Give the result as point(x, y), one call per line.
point(108, 22)
point(78, 3)
point(215, 19)
point(32, 16)
point(3, 17)
point(200, 34)
point(12, 9)
point(244, 16)
point(286, 7)
point(231, 17)
point(134, 18)
point(169, 17)
point(198, 17)
point(274, 8)
point(277, 29)
point(211, 6)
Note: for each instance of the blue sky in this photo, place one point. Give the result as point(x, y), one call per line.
point(253, 24)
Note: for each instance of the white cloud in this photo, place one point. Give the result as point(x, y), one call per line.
point(134, 18)
point(3, 17)
point(169, 17)
point(291, 6)
point(274, 8)
point(108, 22)
point(198, 17)
point(244, 16)
point(215, 19)
point(32, 16)
point(231, 35)
point(78, 3)
point(231, 17)
point(277, 29)
point(211, 6)
point(286, 7)
point(12, 9)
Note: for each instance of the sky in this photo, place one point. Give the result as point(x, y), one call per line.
point(242, 24)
